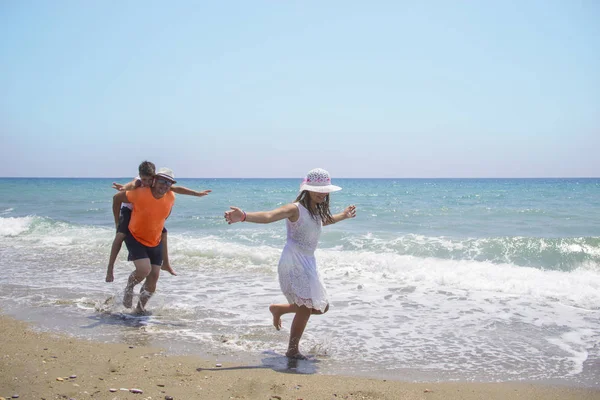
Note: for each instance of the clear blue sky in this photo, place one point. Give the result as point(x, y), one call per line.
point(275, 88)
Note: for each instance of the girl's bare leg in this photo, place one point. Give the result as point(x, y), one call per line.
point(298, 325)
point(279, 309)
point(303, 313)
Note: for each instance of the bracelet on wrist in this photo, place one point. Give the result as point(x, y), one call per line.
point(245, 216)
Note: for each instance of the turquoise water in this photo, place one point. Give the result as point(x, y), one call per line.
point(484, 279)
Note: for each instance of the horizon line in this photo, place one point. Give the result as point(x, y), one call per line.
point(283, 177)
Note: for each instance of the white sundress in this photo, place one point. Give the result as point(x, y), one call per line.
point(298, 276)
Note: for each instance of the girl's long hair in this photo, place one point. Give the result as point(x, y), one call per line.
point(322, 213)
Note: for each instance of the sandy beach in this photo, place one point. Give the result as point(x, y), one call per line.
point(41, 365)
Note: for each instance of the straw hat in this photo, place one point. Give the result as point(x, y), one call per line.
point(166, 173)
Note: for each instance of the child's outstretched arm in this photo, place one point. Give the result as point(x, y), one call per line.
point(128, 186)
point(189, 192)
point(349, 212)
point(262, 217)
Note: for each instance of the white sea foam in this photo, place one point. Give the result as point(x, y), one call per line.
point(14, 226)
point(387, 296)
point(427, 313)
point(51, 235)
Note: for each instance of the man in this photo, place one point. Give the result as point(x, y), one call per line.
point(122, 215)
point(151, 207)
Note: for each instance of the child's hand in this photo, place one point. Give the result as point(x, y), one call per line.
point(109, 276)
point(203, 193)
point(117, 186)
point(350, 211)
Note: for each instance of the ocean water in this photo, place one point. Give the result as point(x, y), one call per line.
point(435, 279)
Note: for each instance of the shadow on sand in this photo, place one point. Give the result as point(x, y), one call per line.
point(278, 363)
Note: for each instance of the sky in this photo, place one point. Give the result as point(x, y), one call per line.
point(388, 89)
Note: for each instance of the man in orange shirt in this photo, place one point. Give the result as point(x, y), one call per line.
point(151, 207)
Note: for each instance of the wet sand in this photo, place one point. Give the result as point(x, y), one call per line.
point(41, 365)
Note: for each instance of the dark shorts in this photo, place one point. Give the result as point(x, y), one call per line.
point(138, 251)
point(124, 218)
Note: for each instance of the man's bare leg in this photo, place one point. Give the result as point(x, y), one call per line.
point(142, 269)
point(148, 288)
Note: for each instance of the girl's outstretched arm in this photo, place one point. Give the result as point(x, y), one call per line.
point(263, 217)
point(349, 212)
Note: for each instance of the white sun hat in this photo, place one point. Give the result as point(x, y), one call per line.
point(166, 173)
point(318, 180)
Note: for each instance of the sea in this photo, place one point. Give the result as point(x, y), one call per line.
point(486, 280)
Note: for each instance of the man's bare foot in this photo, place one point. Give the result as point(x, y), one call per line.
point(128, 297)
point(276, 316)
point(140, 310)
point(167, 267)
point(296, 355)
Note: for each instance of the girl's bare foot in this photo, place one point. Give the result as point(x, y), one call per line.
point(296, 355)
point(276, 316)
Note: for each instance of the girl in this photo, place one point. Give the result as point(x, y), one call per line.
point(298, 276)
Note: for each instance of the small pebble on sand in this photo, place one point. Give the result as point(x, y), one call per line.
point(112, 390)
point(73, 376)
point(168, 397)
point(218, 365)
point(60, 379)
point(139, 391)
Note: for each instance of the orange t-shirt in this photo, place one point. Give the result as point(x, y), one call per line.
point(148, 215)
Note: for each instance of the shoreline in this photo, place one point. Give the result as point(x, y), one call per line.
point(36, 365)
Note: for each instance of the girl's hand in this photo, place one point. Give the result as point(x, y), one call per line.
point(117, 186)
point(204, 193)
point(350, 211)
point(235, 215)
